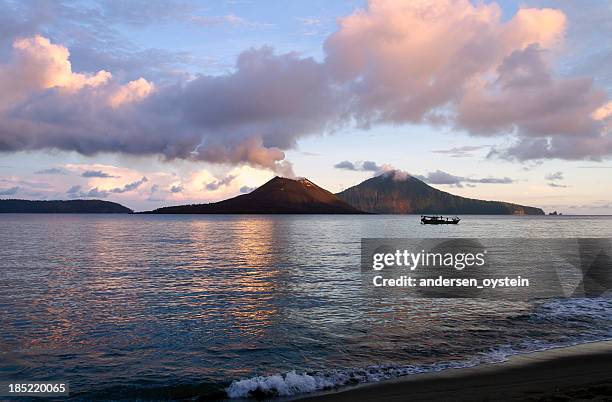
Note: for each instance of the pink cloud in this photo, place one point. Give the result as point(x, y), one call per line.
point(406, 59)
point(444, 62)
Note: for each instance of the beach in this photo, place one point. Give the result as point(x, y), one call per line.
point(581, 372)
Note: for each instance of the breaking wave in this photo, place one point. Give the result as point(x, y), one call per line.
point(293, 383)
point(586, 313)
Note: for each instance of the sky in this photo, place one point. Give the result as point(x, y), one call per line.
point(167, 102)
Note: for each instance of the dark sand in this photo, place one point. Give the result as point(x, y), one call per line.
point(582, 372)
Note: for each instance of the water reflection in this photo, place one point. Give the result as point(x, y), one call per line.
point(109, 301)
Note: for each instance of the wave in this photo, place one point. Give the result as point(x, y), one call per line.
point(293, 383)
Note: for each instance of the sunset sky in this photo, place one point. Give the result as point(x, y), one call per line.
point(152, 103)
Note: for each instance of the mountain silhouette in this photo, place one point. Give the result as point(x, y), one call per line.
point(393, 193)
point(278, 196)
point(63, 207)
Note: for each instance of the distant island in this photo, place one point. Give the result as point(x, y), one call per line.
point(63, 207)
point(278, 196)
point(385, 194)
point(396, 193)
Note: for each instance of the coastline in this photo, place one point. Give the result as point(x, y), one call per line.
point(567, 373)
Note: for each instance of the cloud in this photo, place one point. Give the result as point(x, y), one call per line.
point(97, 173)
point(129, 187)
point(491, 180)
point(376, 169)
point(311, 26)
point(436, 177)
point(370, 166)
point(145, 12)
point(9, 191)
point(50, 171)
point(219, 119)
point(246, 189)
point(466, 151)
point(40, 74)
point(132, 92)
point(441, 177)
point(364, 166)
point(212, 186)
point(44, 65)
point(310, 21)
point(25, 184)
point(455, 63)
point(600, 204)
point(460, 64)
point(185, 185)
point(588, 33)
point(397, 174)
point(102, 42)
point(552, 118)
point(191, 184)
point(74, 190)
point(404, 60)
point(97, 192)
point(554, 176)
point(215, 20)
point(346, 165)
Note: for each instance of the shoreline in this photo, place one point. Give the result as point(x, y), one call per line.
point(566, 373)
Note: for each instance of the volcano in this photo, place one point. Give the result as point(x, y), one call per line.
point(392, 193)
point(278, 196)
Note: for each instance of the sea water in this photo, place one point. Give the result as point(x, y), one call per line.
point(178, 306)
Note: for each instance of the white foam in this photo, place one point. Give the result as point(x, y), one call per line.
point(286, 384)
point(293, 383)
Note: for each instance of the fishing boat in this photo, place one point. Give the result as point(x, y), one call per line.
point(438, 220)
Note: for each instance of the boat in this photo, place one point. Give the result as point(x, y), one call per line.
point(438, 220)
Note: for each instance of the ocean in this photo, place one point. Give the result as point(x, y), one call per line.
point(227, 306)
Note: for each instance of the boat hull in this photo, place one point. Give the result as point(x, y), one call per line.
point(439, 220)
point(440, 223)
